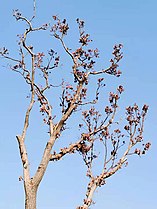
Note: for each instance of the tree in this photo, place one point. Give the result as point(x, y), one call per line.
point(98, 129)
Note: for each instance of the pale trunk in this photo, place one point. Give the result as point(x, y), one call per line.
point(30, 197)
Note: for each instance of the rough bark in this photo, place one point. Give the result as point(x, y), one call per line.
point(30, 197)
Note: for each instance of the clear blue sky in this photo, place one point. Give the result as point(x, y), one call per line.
point(132, 23)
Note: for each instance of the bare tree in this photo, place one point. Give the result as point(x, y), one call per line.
point(97, 128)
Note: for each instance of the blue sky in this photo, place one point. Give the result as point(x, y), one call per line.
point(132, 23)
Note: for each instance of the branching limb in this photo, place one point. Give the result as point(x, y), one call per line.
point(67, 150)
point(113, 163)
point(24, 158)
point(79, 146)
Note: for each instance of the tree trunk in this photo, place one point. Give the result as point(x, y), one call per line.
point(30, 197)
